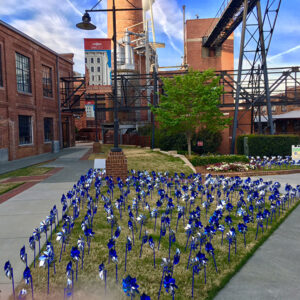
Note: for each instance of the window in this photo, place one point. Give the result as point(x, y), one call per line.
point(92, 60)
point(85, 60)
point(98, 69)
point(98, 60)
point(48, 129)
point(92, 69)
point(93, 78)
point(25, 130)
point(1, 79)
point(99, 78)
point(23, 73)
point(47, 81)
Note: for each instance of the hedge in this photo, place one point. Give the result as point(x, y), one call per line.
point(213, 159)
point(268, 145)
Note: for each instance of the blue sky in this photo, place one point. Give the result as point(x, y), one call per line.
point(52, 22)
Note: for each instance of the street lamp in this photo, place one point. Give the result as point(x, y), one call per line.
point(87, 25)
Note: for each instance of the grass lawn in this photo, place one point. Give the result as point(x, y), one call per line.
point(28, 171)
point(6, 187)
point(89, 285)
point(142, 159)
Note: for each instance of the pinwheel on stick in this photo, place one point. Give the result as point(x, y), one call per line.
point(10, 275)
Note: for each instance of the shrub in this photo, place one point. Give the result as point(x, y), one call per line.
point(211, 141)
point(166, 141)
point(213, 159)
point(268, 145)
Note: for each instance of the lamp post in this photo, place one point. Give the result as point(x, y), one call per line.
point(87, 25)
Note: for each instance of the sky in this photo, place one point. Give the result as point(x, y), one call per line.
point(52, 23)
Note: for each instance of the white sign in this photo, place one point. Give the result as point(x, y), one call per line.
point(90, 110)
point(99, 164)
point(296, 153)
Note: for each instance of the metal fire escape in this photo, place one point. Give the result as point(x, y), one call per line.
point(257, 30)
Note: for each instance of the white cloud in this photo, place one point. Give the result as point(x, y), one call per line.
point(53, 24)
point(168, 20)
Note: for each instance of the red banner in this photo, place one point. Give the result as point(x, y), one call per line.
point(97, 44)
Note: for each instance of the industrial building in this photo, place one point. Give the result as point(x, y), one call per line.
point(31, 121)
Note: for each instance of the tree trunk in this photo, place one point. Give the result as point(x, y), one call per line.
point(189, 139)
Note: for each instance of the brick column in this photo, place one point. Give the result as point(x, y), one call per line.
point(116, 165)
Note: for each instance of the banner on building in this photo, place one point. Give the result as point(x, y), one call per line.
point(90, 109)
point(98, 60)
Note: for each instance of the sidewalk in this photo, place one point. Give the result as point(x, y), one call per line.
point(24, 212)
point(273, 272)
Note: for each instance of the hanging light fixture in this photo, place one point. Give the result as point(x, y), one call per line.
point(86, 23)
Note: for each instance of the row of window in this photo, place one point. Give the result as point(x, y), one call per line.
point(25, 130)
point(92, 60)
point(93, 69)
point(24, 78)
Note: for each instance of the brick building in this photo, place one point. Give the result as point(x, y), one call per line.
point(31, 121)
point(200, 58)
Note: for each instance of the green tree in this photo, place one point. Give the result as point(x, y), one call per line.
point(191, 101)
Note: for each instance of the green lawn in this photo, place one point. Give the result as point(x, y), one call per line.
point(6, 187)
point(143, 159)
point(28, 171)
point(91, 287)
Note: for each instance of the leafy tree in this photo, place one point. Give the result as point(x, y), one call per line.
point(190, 101)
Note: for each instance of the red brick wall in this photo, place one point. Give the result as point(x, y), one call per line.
point(34, 104)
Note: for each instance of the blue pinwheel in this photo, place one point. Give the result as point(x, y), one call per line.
point(89, 234)
point(32, 247)
point(222, 229)
point(23, 255)
point(37, 236)
point(81, 245)
point(62, 237)
point(260, 222)
point(141, 219)
point(102, 274)
point(169, 285)
point(114, 257)
point(128, 249)
point(266, 215)
point(144, 241)
point(117, 233)
point(163, 231)
point(167, 268)
point(152, 246)
point(47, 258)
point(68, 291)
point(130, 287)
point(145, 297)
point(75, 255)
point(230, 236)
point(210, 250)
point(28, 279)
point(154, 214)
point(130, 227)
point(176, 259)
point(172, 239)
point(242, 228)
point(22, 294)
point(10, 275)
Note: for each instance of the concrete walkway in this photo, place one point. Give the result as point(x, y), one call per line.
point(273, 272)
point(24, 212)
